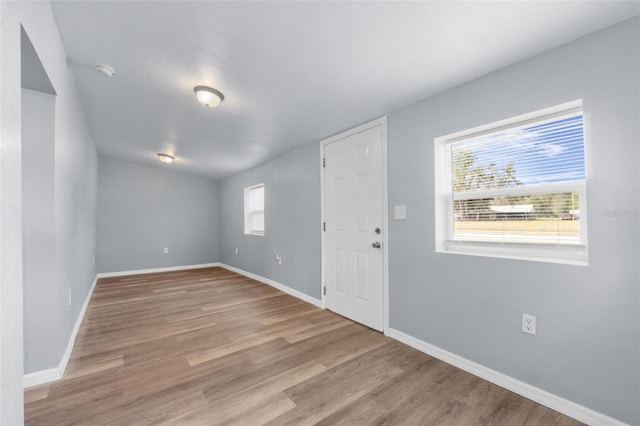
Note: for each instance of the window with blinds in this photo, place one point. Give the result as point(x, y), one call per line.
point(518, 184)
point(254, 210)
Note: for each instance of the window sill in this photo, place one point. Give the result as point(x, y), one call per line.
point(550, 253)
point(258, 233)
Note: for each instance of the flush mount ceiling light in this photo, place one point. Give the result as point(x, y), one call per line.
point(208, 97)
point(106, 70)
point(165, 158)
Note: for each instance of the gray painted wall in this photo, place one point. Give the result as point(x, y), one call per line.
point(11, 353)
point(144, 209)
point(39, 239)
point(587, 347)
point(292, 221)
point(74, 181)
point(75, 201)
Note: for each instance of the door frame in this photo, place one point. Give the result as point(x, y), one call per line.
point(382, 121)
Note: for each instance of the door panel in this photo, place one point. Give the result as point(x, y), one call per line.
point(353, 210)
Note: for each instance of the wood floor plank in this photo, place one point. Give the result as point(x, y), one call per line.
point(269, 392)
point(36, 393)
point(211, 347)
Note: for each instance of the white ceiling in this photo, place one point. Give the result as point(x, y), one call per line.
point(291, 72)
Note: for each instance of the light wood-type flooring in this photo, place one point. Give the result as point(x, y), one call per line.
point(208, 347)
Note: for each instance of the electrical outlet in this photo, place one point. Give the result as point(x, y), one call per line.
point(166, 250)
point(236, 250)
point(528, 324)
point(279, 259)
point(69, 297)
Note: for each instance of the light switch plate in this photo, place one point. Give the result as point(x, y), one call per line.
point(400, 212)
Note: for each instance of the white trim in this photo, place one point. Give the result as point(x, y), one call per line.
point(40, 377)
point(53, 374)
point(547, 253)
point(281, 287)
point(285, 289)
point(155, 270)
point(564, 406)
point(531, 251)
point(385, 231)
point(249, 211)
point(542, 115)
point(569, 408)
point(323, 298)
point(72, 339)
point(382, 121)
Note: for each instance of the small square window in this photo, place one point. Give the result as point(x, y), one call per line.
point(515, 188)
point(254, 210)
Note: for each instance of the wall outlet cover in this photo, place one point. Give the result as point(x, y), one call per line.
point(529, 324)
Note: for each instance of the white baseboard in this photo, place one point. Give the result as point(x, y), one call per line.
point(564, 406)
point(155, 270)
point(533, 393)
point(274, 284)
point(281, 287)
point(72, 339)
point(40, 377)
point(53, 374)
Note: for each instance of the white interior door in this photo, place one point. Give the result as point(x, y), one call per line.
point(353, 216)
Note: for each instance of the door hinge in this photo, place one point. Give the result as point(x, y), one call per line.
point(324, 290)
point(324, 164)
point(324, 226)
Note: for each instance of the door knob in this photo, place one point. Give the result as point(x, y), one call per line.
point(376, 244)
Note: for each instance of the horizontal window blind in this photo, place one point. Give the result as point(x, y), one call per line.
point(546, 218)
point(521, 184)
